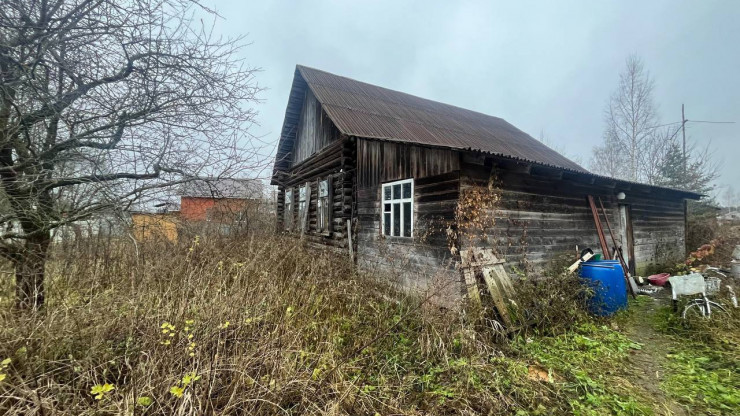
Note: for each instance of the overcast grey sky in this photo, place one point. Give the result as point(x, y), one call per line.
point(543, 66)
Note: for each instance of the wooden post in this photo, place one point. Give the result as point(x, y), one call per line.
point(349, 240)
point(599, 229)
point(618, 255)
point(304, 218)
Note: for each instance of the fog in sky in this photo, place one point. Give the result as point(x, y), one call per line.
point(547, 67)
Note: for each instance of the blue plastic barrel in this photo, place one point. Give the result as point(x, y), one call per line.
point(606, 278)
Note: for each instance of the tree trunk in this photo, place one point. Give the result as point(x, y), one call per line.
point(29, 273)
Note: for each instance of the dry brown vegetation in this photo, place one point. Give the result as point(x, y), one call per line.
point(251, 327)
point(263, 326)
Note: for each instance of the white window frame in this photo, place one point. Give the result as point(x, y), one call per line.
point(393, 202)
point(304, 193)
point(323, 206)
point(288, 208)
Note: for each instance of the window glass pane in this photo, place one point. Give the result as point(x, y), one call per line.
point(387, 193)
point(302, 193)
point(323, 188)
point(407, 190)
point(397, 219)
point(387, 207)
point(387, 223)
point(407, 219)
point(396, 191)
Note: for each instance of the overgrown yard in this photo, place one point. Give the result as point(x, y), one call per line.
point(264, 327)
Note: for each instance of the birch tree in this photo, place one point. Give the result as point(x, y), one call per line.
point(102, 101)
point(632, 141)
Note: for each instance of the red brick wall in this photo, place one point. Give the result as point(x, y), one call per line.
point(202, 209)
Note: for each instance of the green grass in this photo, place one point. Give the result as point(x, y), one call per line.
point(703, 364)
point(588, 361)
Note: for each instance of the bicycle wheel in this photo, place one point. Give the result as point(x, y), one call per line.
point(698, 307)
point(717, 308)
point(694, 309)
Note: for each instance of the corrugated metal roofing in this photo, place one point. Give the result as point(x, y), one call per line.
point(369, 111)
point(365, 110)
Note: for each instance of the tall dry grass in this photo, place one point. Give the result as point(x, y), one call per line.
point(257, 326)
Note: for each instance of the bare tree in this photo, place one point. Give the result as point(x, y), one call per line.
point(730, 198)
point(102, 102)
point(608, 160)
point(631, 141)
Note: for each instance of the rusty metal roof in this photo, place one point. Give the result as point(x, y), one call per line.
point(369, 111)
point(365, 110)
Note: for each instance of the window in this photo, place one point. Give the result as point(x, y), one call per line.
point(398, 208)
point(302, 199)
point(288, 209)
point(323, 207)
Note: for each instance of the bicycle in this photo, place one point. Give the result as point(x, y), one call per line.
point(694, 284)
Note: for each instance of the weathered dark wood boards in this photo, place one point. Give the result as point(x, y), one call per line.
point(315, 130)
point(426, 255)
point(334, 162)
point(540, 216)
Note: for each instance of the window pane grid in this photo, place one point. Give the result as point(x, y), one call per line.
point(323, 206)
point(397, 213)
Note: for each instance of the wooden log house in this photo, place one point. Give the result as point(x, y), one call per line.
point(384, 171)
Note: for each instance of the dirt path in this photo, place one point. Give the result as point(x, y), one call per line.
point(647, 363)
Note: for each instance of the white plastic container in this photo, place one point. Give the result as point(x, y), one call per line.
point(735, 269)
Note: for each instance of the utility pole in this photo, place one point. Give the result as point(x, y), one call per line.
point(683, 132)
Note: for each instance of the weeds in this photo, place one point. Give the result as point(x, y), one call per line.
point(265, 327)
point(703, 368)
point(586, 363)
point(254, 327)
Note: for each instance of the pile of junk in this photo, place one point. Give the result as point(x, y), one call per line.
point(609, 276)
point(612, 283)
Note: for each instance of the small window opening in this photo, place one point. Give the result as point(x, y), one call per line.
point(323, 207)
point(398, 208)
point(288, 209)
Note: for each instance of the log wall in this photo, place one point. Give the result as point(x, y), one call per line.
point(424, 260)
point(320, 152)
point(540, 216)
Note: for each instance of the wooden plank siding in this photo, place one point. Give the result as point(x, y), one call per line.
point(541, 213)
point(315, 130)
point(424, 260)
point(539, 217)
point(319, 152)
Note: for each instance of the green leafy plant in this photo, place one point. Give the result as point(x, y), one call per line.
point(99, 391)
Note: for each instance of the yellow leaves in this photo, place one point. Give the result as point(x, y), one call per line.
point(3, 366)
point(189, 378)
point(224, 325)
point(99, 391)
point(167, 328)
point(177, 391)
point(144, 401)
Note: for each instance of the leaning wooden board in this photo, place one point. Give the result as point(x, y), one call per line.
point(497, 280)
